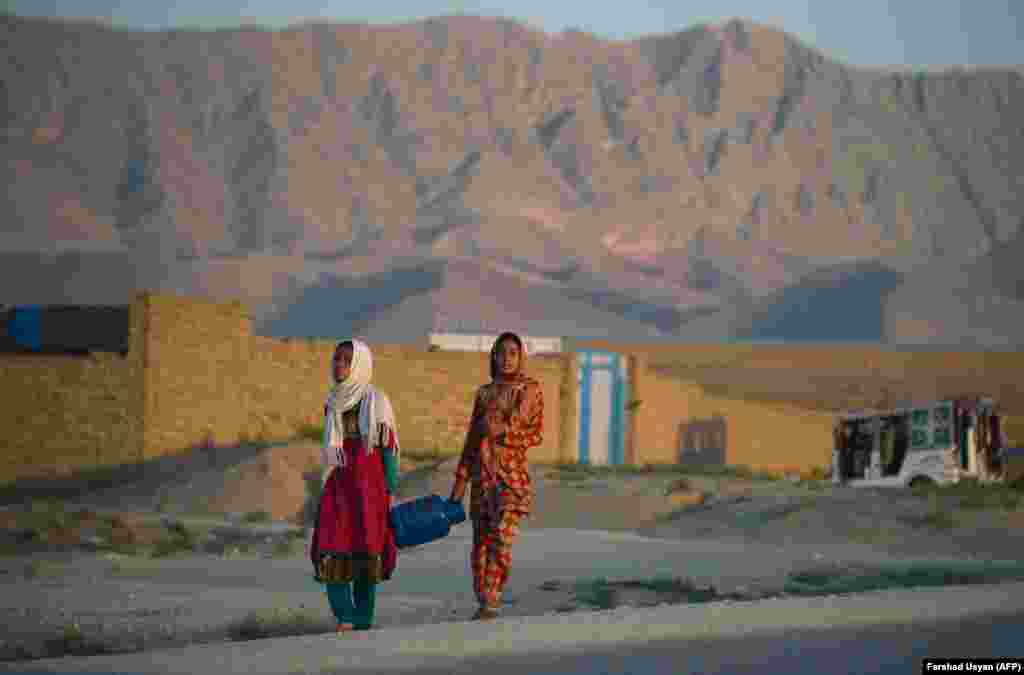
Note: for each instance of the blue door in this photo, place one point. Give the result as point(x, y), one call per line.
point(601, 407)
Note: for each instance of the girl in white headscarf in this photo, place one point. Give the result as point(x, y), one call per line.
point(352, 547)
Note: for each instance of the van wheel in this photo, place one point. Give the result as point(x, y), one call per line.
point(920, 482)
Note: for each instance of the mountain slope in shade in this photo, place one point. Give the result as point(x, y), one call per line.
point(690, 184)
point(978, 304)
point(841, 303)
point(335, 306)
point(448, 295)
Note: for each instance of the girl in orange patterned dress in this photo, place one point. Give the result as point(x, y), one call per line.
point(507, 420)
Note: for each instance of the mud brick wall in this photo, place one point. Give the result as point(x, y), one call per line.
point(210, 379)
point(61, 413)
point(661, 403)
point(286, 385)
point(197, 360)
point(432, 392)
point(773, 437)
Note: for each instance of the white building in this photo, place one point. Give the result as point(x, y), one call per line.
point(465, 342)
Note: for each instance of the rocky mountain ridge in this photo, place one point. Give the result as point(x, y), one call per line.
point(467, 173)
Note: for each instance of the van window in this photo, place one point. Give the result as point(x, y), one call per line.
point(931, 428)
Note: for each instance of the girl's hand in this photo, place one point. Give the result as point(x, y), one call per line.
point(496, 425)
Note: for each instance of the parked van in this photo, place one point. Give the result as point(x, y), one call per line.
point(939, 442)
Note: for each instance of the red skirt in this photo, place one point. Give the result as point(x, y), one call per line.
point(352, 536)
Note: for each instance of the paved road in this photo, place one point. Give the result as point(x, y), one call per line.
point(888, 649)
point(875, 632)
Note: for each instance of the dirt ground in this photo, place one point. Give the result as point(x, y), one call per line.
point(248, 505)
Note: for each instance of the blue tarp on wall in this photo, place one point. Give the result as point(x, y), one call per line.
point(25, 326)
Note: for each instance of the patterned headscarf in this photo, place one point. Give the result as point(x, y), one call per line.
point(376, 416)
point(520, 373)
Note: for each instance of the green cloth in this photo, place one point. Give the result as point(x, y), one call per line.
point(391, 471)
point(888, 449)
point(358, 613)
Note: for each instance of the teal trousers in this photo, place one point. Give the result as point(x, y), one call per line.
point(353, 602)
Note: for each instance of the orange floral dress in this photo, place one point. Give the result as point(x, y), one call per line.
point(507, 420)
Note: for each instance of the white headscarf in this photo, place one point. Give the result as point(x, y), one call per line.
point(376, 416)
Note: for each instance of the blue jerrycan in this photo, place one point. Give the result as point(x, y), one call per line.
point(425, 519)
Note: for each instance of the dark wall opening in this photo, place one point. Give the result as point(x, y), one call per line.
point(64, 329)
point(703, 441)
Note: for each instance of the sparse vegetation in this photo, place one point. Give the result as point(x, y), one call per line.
point(73, 631)
point(427, 455)
point(310, 432)
point(945, 501)
point(679, 485)
point(674, 514)
point(43, 515)
point(676, 589)
point(938, 519)
point(127, 564)
point(258, 440)
point(818, 473)
point(179, 540)
point(287, 546)
point(836, 580)
point(44, 569)
point(9, 549)
point(72, 641)
point(71, 638)
point(79, 482)
point(257, 517)
point(604, 594)
point(238, 550)
point(969, 494)
point(825, 580)
point(116, 566)
point(163, 504)
point(939, 515)
point(597, 594)
point(569, 471)
point(875, 536)
point(284, 548)
point(796, 513)
point(277, 622)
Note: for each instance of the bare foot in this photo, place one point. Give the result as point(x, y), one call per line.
point(344, 627)
point(485, 614)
